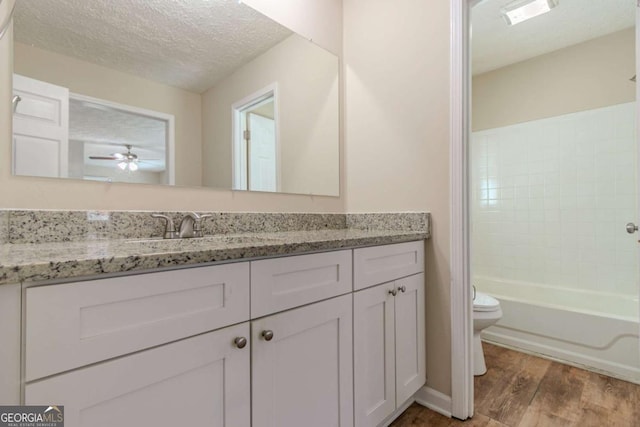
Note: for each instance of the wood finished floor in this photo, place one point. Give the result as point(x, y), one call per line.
point(520, 390)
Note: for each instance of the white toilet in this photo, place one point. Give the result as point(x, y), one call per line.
point(486, 312)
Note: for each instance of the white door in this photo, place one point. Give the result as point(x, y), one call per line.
point(410, 336)
point(374, 355)
point(302, 374)
point(262, 153)
point(40, 128)
point(200, 381)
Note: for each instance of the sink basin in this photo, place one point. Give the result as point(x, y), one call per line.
point(207, 240)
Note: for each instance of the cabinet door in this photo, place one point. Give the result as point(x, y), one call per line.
point(410, 337)
point(303, 375)
point(200, 381)
point(374, 355)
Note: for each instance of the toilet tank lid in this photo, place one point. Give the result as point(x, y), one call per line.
point(484, 301)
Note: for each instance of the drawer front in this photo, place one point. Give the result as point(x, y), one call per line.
point(381, 264)
point(282, 283)
point(75, 324)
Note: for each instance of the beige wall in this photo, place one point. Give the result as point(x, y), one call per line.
point(307, 84)
point(318, 20)
point(396, 57)
point(85, 78)
point(585, 76)
point(44, 193)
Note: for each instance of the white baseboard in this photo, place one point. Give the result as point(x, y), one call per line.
point(434, 400)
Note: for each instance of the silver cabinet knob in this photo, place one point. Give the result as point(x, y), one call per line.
point(393, 292)
point(267, 335)
point(402, 289)
point(240, 342)
point(631, 228)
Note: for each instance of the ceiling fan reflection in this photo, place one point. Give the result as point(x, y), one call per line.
point(126, 161)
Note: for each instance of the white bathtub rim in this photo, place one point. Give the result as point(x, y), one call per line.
point(478, 281)
point(571, 309)
point(567, 357)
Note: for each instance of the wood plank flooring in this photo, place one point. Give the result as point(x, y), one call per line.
point(520, 390)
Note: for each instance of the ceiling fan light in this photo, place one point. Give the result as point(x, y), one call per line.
point(122, 165)
point(133, 166)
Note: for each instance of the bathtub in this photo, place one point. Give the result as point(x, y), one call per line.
point(593, 330)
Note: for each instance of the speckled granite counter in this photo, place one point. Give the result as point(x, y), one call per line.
point(28, 262)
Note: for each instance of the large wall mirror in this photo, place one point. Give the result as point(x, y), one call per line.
point(192, 93)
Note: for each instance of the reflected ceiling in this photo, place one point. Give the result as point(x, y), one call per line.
point(105, 131)
point(169, 42)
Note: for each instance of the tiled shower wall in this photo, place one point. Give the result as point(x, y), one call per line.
point(550, 200)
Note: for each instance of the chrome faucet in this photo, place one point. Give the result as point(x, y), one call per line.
point(191, 225)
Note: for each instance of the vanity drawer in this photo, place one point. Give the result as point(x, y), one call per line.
point(282, 283)
point(379, 264)
point(75, 324)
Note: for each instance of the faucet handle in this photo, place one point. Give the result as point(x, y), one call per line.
point(197, 226)
point(169, 228)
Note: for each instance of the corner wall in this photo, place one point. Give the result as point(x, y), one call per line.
point(397, 136)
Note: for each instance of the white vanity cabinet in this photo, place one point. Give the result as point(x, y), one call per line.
point(277, 342)
point(389, 334)
point(302, 366)
point(199, 381)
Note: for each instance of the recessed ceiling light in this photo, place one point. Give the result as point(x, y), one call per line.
point(521, 10)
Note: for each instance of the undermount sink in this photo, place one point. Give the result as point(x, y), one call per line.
point(219, 239)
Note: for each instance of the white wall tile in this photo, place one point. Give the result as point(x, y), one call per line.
point(550, 199)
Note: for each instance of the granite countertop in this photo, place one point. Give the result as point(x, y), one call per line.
point(30, 262)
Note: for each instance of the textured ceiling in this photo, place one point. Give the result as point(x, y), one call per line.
point(189, 44)
point(105, 131)
point(495, 44)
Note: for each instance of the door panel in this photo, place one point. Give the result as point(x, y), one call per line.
point(209, 386)
point(303, 376)
point(374, 353)
point(262, 153)
point(410, 336)
point(40, 128)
